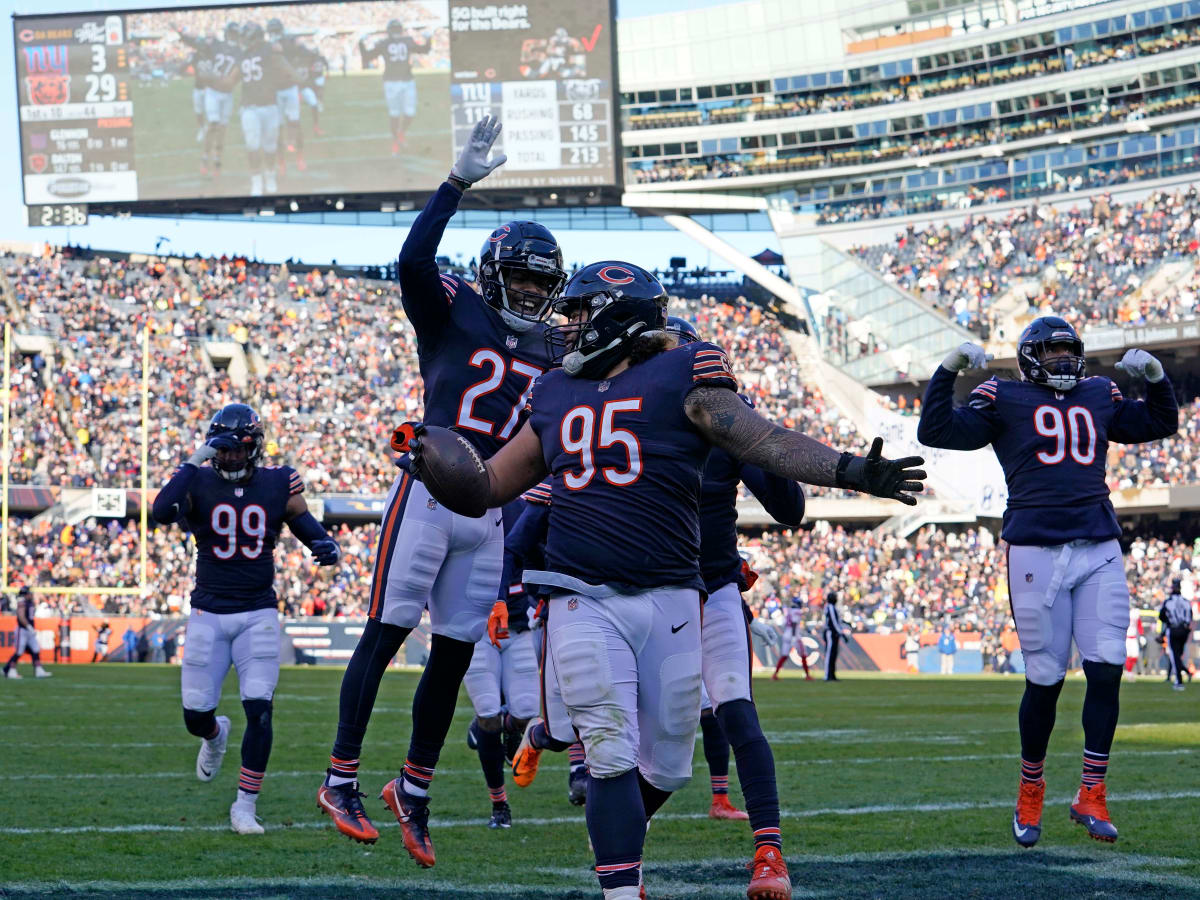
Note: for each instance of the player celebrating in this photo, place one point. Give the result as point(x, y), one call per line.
point(222, 57)
point(312, 90)
point(793, 636)
point(478, 355)
point(397, 49)
point(1066, 577)
point(287, 97)
point(236, 508)
point(625, 428)
point(201, 65)
point(26, 638)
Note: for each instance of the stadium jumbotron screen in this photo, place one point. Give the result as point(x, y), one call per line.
point(310, 98)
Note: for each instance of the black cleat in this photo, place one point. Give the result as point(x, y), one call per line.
point(577, 784)
point(501, 816)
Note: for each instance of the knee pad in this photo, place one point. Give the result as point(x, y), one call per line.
point(199, 722)
point(258, 713)
point(739, 721)
point(611, 754)
point(1043, 668)
point(490, 724)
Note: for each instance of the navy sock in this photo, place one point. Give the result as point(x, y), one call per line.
point(376, 647)
point(1036, 720)
point(490, 746)
point(755, 767)
point(616, 823)
point(1101, 705)
point(716, 751)
point(433, 708)
point(541, 739)
point(652, 797)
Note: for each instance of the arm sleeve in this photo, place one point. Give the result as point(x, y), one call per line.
point(368, 53)
point(426, 296)
point(1138, 421)
point(307, 529)
point(513, 569)
point(969, 427)
point(528, 532)
point(782, 499)
point(172, 502)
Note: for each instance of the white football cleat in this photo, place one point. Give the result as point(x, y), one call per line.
point(39, 672)
point(212, 753)
point(271, 185)
point(12, 673)
point(256, 186)
point(243, 820)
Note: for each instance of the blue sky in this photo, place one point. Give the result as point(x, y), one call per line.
point(315, 244)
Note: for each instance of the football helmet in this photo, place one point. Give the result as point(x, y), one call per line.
point(1061, 373)
point(275, 30)
point(684, 330)
point(607, 305)
point(252, 33)
point(527, 250)
point(233, 33)
point(395, 29)
point(243, 423)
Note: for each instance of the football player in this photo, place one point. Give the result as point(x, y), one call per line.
point(26, 638)
point(223, 56)
point(287, 97)
point(236, 508)
point(397, 49)
point(503, 667)
point(313, 90)
point(479, 354)
point(201, 64)
point(625, 429)
point(1066, 576)
point(793, 636)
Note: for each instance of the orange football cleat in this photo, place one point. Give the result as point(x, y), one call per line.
point(722, 809)
point(413, 815)
point(1090, 810)
point(1027, 817)
point(342, 804)
point(525, 760)
point(769, 876)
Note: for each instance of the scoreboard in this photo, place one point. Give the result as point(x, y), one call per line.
point(301, 99)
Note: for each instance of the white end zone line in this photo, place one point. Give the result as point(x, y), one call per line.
point(887, 809)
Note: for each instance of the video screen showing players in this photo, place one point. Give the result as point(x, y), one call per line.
point(309, 98)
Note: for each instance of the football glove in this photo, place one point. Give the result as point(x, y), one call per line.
point(893, 479)
point(203, 454)
point(325, 552)
point(473, 165)
point(498, 623)
point(764, 631)
point(1140, 364)
point(966, 355)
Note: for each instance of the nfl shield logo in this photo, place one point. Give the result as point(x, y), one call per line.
point(431, 503)
point(237, 492)
point(1028, 577)
point(602, 387)
point(573, 604)
point(510, 342)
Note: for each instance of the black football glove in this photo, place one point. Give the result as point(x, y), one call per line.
point(325, 552)
point(893, 479)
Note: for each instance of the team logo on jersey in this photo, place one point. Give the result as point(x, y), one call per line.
point(602, 386)
point(511, 342)
point(573, 604)
point(615, 275)
point(1028, 577)
point(237, 492)
point(431, 503)
point(47, 83)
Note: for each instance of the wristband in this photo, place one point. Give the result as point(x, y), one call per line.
point(842, 466)
point(461, 183)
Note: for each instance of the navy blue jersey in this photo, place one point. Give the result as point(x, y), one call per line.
point(512, 591)
point(627, 464)
point(299, 58)
point(397, 54)
point(224, 59)
point(1051, 445)
point(236, 526)
point(202, 65)
point(263, 73)
point(26, 605)
point(478, 373)
point(783, 500)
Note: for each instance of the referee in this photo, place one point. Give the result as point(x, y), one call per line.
point(1176, 616)
point(834, 634)
point(27, 641)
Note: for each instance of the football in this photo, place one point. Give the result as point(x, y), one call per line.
point(452, 470)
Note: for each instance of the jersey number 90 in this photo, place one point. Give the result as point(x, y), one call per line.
point(1074, 433)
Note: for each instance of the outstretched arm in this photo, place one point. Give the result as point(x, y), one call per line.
point(516, 467)
point(720, 415)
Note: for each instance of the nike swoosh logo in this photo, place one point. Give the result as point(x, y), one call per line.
point(675, 628)
point(500, 521)
point(1110, 559)
point(1017, 829)
point(206, 772)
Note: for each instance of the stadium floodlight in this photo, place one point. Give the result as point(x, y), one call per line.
point(340, 205)
point(294, 206)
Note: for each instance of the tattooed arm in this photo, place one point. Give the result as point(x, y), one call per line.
point(728, 423)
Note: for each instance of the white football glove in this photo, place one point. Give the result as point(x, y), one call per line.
point(764, 631)
point(966, 355)
point(1140, 364)
point(473, 165)
point(202, 455)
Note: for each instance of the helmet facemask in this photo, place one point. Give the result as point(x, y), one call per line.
point(1060, 372)
point(578, 345)
point(521, 308)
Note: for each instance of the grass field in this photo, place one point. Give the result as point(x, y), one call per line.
point(891, 787)
point(353, 155)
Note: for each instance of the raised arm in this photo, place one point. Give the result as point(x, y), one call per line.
point(969, 427)
point(1156, 417)
point(720, 415)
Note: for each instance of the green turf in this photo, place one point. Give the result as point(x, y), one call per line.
point(891, 788)
point(353, 155)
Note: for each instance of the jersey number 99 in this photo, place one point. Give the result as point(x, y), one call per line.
point(253, 525)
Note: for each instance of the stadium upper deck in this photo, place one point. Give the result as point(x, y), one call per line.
point(909, 107)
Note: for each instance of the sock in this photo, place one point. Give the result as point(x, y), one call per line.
point(499, 796)
point(433, 709)
point(249, 784)
point(755, 768)
point(540, 739)
point(616, 823)
point(491, 760)
point(1101, 705)
point(360, 683)
point(341, 771)
point(716, 751)
point(256, 744)
point(1031, 772)
point(652, 798)
point(779, 665)
point(576, 756)
point(37, 660)
point(1036, 718)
